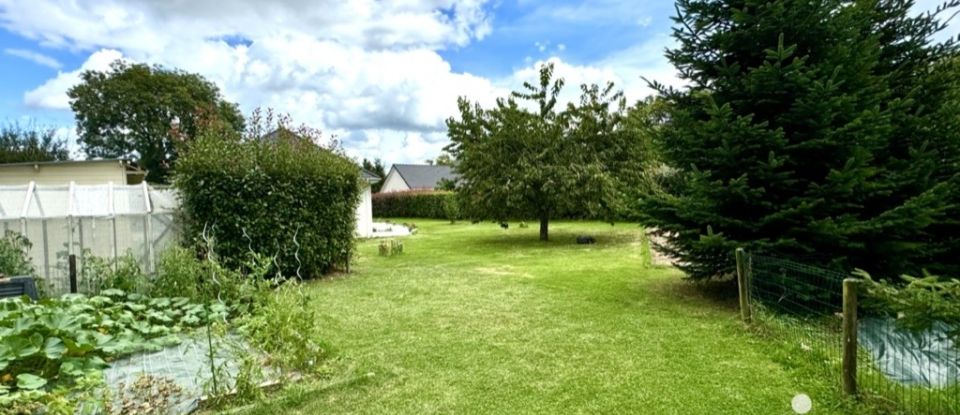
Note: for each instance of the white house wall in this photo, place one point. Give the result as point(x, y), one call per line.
point(394, 183)
point(365, 213)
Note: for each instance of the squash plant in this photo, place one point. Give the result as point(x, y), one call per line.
point(52, 344)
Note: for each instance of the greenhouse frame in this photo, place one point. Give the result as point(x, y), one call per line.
point(107, 221)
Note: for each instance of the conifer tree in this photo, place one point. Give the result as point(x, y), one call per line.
point(807, 130)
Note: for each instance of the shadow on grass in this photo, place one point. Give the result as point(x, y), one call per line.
point(559, 239)
point(721, 293)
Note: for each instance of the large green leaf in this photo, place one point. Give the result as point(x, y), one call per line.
point(113, 292)
point(54, 348)
point(60, 321)
point(22, 347)
point(30, 382)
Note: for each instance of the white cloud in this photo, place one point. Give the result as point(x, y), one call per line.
point(350, 67)
point(35, 57)
point(369, 71)
point(53, 93)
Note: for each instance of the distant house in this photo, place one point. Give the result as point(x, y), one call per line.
point(82, 172)
point(404, 177)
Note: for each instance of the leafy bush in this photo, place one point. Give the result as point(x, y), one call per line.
point(180, 273)
point(284, 326)
point(919, 304)
point(13, 255)
point(282, 197)
point(98, 274)
point(416, 204)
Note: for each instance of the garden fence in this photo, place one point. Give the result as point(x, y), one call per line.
point(818, 314)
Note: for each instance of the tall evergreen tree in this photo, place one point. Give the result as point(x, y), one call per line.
point(798, 135)
point(376, 167)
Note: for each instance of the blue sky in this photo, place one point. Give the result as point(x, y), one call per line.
point(381, 75)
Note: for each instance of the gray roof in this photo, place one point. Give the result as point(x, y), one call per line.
point(369, 176)
point(424, 176)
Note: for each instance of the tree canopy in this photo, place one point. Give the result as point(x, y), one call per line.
point(139, 112)
point(376, 167)
point(544, 162)
point(818, 130)
point(19, 145)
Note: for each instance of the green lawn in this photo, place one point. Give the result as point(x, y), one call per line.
point(477, 319)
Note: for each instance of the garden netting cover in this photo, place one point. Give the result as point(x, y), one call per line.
point(106, 221)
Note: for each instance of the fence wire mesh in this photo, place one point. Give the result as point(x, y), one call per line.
point(897, 370)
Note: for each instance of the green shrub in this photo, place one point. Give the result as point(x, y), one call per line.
point(13, 255)
point(98, 274)
point(181, 274)
point(284, 326)
point(283, 197)
point(416, 204)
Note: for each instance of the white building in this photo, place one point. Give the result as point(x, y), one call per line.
point(365, 207)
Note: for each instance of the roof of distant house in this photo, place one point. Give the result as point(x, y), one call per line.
point(369, 176)
point(424, 176)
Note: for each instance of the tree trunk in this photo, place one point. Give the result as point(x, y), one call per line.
point(544, 225)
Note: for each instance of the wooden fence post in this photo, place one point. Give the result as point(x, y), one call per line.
point(742, 281)
point(849, 362)
point(72, 266)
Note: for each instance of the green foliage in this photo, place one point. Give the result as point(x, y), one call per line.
point(284, 326)
point(180, 273)
point(451, 209)
point(86, 396)
point(416, 204)
point(391, 247)
point(52, 344)
point(547, 163)
point(282, 196)
point(13, 255)
point(810, 130)
point(18, 145)
point(376, 167)
point(917, 305)
point(140, 112)
point(98, 274)
point(446, 184)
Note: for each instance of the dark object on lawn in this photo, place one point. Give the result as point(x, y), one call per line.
point(584, 240)
point(18, 286)
point(504, 225)
point(523, 225)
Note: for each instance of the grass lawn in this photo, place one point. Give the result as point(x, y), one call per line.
point(477, 319)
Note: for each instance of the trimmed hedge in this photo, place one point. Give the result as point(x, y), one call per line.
point(273, 191)
point(416, 204)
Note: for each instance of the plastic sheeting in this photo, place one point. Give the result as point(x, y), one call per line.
point(186, 364)
point(927, 359)
point(101, 220)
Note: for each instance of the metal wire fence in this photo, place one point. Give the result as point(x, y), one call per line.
point(896, 369)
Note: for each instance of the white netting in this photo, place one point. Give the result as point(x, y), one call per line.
point(100, 220)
